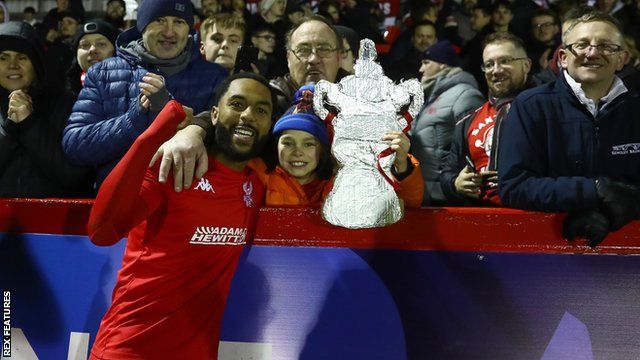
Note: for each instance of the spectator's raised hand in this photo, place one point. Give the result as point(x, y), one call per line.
point(145, 102)
point(151, 83)
point(468, 183)
point(399, 142)
point(152, 87)
point(20, 106)
point(185, 154)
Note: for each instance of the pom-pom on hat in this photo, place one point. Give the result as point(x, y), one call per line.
point(150, 10)
point(441, 52)
point(301, 116)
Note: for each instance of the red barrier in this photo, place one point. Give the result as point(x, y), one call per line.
point(454, 229)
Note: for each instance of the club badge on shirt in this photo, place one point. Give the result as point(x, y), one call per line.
point(248, 193)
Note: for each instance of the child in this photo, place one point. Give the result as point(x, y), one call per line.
point(305, 171)
point(221, 37)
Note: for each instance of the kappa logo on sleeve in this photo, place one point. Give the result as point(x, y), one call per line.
point(625, 149)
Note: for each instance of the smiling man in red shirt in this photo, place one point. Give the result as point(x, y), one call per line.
point(182, 248)
point(477, 136)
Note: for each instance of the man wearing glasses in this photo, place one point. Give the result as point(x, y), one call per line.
point(264, 39)
point(574, 145)
point(469, 173)
point(313, 53)
point(545, 36)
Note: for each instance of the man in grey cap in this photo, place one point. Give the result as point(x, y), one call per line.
point(155, 61)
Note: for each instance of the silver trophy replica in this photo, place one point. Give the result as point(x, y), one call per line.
point(363, 108)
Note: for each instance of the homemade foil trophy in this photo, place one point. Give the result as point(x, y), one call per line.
point(362, 108)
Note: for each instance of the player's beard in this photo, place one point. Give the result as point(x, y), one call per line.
point(224, 144)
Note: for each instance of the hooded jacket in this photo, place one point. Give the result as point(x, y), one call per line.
point(107, 117)
point(32, 163)
point(451, 96)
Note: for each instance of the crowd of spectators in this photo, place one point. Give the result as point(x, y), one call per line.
point(75, 92)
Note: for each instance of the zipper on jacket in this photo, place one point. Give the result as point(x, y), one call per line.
point(596, 153)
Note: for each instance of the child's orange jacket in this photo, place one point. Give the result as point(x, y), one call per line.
point(284, 189)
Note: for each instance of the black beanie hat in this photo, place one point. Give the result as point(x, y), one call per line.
point(352, 38)
point(150, 10)
point(20, 37)
point(442, 52)
point(72, 14)
point(96, 26)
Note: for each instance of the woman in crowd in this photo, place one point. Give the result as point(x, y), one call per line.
point(32, 116)
point(93, 42)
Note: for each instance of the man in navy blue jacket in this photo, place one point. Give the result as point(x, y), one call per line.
point(574, 145)
point(155, 61)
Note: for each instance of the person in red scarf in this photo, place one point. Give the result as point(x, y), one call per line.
point(469, 174)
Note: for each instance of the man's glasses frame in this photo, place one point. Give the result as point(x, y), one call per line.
point(303, 52)
point(543, 25)
point(503, 62)
point(582, 48)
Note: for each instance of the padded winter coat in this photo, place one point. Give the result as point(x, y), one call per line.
point(107, 116)
point(452, 96)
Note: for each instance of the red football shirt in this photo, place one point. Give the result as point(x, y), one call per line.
point(177, 268)
point(479, 142)
point(179, 260)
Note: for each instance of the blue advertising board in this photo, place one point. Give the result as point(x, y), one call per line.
point(339, 303)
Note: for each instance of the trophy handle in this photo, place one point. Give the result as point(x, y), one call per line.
point(416, 95)
point(324, 108)
point(411, 108)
